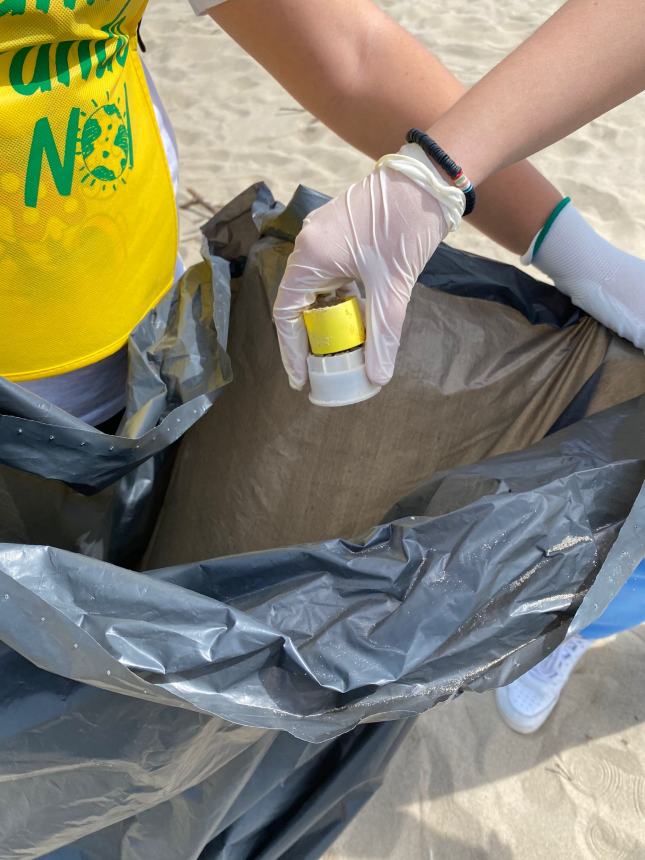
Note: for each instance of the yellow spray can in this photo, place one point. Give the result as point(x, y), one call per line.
point(336, 365)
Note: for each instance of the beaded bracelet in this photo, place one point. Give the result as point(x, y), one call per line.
point(454, 171)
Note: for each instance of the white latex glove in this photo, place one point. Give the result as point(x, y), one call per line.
point(380, 234)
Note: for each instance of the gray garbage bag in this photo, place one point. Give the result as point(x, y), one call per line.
point(64, 482)
point(474, 378)
point(247, 705)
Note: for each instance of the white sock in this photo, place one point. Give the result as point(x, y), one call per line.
point(599, 278)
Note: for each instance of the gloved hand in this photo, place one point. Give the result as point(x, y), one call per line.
point(379, 234)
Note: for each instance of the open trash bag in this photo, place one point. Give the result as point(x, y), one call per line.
point(312, 579)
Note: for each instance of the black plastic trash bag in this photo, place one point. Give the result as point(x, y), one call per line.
point(473, 379)
point(113, 484)
point(247, 706)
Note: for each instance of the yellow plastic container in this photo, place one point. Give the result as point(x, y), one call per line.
point(336, 365)
point(335, 328)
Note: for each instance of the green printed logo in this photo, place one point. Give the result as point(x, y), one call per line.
point(51, 62)
point(102, 139)
point(104, 143)
point(43, 146)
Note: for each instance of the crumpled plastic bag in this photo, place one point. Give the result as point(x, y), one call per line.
point(246, 706)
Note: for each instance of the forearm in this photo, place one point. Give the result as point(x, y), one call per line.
point(369, 80)
point(583, 61)
point(346, 62)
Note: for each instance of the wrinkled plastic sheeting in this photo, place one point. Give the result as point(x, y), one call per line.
point(88, 775)
point(63, 481)
point(204, 710)
point(479, 574)
point(478, 577)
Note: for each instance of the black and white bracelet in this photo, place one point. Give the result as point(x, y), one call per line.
point(443, 160)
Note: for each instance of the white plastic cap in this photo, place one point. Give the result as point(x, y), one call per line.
point(339, 380)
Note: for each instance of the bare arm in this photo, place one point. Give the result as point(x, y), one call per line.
point(347, 62)
point(358, 72)
point(370, 80)
point(583, 61)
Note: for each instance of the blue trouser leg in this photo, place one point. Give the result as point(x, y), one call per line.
point(626, 610)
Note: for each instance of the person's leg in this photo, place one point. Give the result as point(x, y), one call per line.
point(527, 703)
point(627, 609)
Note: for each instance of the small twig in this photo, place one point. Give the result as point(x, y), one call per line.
point(559, 770)
point(197, 198)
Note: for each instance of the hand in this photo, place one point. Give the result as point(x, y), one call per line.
point(379, 235)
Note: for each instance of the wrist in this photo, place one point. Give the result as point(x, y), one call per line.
point(463, 149)
point(419, 170)
point(443, 162)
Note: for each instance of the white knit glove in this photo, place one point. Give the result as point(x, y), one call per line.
point(378, 235)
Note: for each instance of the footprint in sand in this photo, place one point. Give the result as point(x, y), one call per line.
point(607, 842)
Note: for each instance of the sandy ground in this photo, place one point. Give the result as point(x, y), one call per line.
point(462, 786)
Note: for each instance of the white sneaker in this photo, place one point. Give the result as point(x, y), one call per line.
point(526, 704)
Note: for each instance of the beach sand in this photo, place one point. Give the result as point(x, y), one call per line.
point(462, 785)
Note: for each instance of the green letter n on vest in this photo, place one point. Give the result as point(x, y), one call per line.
point(43, 145)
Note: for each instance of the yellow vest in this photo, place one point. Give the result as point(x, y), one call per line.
point(88, 224)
